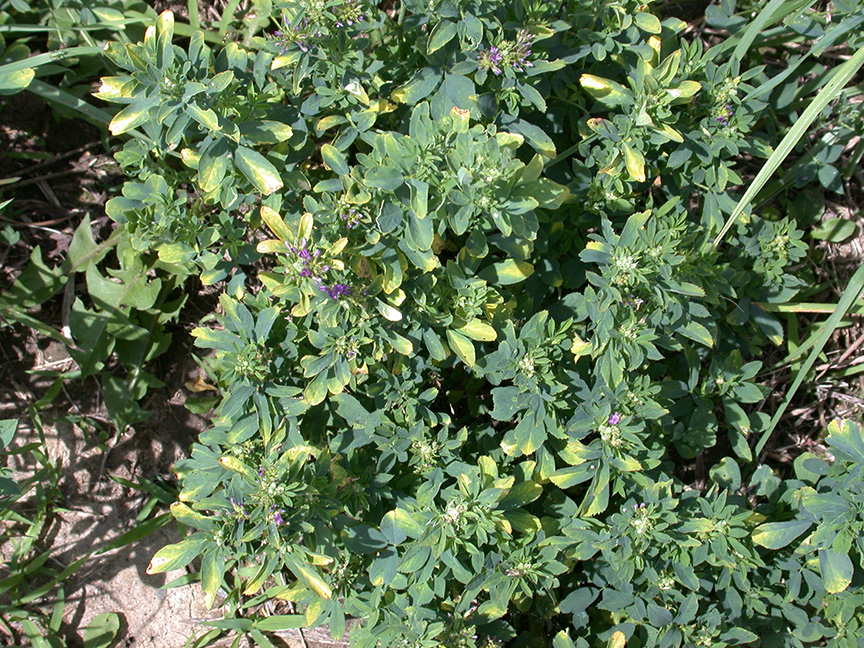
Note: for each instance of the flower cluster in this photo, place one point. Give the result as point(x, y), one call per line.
point(513, 55)
point(300, 35)
point(724, 108)
point(311, 266)
point(336, 291)
point(277, 515)
point(724, 114)
point(349, 13)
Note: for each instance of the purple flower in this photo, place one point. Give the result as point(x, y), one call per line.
point(337, 291)
point(615, 419)
point(277, 518)
point(522, 50)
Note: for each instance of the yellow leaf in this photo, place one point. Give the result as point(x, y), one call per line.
point(635, 163)
point(580, 347)
point(478, 330)
point(617, 640)
point(276, 224)
point(462, 346)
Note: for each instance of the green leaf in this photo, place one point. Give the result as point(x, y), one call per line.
point(364, 539)
point(738, 636)
point(727, 474)
point(83, 250)
point(837, 570)
point(178, 555)
point(212, 576)
point(334, 159)
point(133, 115)
point(834, 230)
point(697, 332)
point(845, 436)
point(563, 640)
point(278, 622)
point(419, 87)
point(635, 163)
point(648, 23)
point(92, 343)
point(609, 93)
point(441, 34)
point(102, 630)
point(384, 177)
point(776, 535)
point(507, 273)
point(258, 170)
point(12, 81)
point(462, 347)
point(213, 167)
point(7, 432)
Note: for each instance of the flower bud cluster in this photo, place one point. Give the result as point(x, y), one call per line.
point(311, 266)
point(512, 55)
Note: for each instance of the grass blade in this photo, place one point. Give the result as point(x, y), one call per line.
point(56, 95)
point(840, 78)
point(194, 20)
point(765, 17)
point(49, 57)
point(850, 297)
point(227, 17)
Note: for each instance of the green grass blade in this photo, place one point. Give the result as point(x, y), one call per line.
point(56, 95)
point(765, 17)
point(194, 20)
point(850, 297)
point(227, 17)
point(48, 57)
point(840, 78)
point(808, 307)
